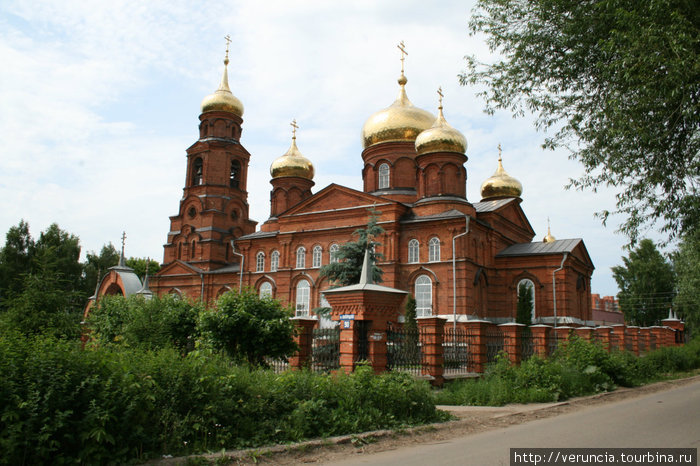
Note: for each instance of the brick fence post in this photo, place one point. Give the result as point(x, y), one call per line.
point(477, 344)
point(584, 333)
point(541, 335)
point(304, 339)
point(602, 334)
point(618, 335)
point(512, 340)
point(562, 335)
point(432, 334)
point(633, 335)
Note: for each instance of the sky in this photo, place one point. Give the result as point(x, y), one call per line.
point(100, 100)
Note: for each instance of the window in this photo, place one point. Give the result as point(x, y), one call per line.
point(235, 174)
point(424, 296)
point(333, 253)
point(413, 252)
point(301, 257)
point(197, 170)
point(316, 257)
point(527, 286)
point(266, 290)
point(303, 289)
point(260, 262)
point(274, 261)
point(383, 176)
point(434, 249)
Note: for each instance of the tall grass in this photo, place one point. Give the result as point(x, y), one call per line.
point(580, 368)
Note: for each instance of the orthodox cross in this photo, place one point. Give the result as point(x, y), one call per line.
point(228, 42)
point(441, 96)
point(295, 127)
point(499, 155)
point(402, 47)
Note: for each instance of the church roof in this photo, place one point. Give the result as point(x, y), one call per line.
point(259, 234)
point(540, 249)
point(452, 213)
point(492, 205)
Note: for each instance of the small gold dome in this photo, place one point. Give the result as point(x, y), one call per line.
point(500, 184)
point(549, 238)
point(441, 137)
point(401, 121)
point(292, 163)
point(223, 100)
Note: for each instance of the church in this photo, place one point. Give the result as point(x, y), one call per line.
point(460, 260)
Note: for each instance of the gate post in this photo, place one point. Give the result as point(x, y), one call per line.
point(432, 336)
point(304, 338)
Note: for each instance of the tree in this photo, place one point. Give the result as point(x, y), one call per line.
point(15, 260)
point(619, 81)
point(59, 252)
point(686, 263)
point(139, 265)
point(97, 265)
point(646, 283)
point(348, 267)
point(249, 328)
point(524, 309)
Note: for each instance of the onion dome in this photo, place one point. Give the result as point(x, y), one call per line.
point(292, 163)
point(223, 100)
point(441, 137)
point(500, 184)
point(549, 238)
point(401, 121)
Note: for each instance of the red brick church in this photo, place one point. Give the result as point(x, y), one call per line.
point(452, 255)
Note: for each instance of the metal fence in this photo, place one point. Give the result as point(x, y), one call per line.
point(277, 365)
point(457, 356)
point(325, 349)
point(527, 344)
point(494, 343)
point(403, 349)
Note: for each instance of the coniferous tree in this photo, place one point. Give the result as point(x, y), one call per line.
point(524, 311)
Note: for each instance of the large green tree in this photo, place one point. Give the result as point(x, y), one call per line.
point(96, 265)
point(686, 262)
point(646, 282)
point(346, 270)
point(618, 81)
point(15, 260)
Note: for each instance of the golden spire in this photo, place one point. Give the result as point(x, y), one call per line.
point(223, 99)
point(500, 184)
point(401, 121)
point(292, 163)
point(549, 238)
point(441, 136)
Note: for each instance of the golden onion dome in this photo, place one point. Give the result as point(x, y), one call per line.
point(401, 121)
point(292, 163)
point(500, 184)
point(549, 238)
point(223, 100)
point(441, 137)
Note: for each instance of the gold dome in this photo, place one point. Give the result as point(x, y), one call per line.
point(401, 121)
point(441, 137)
point(223, 100)
point(549, 238)
point(500, 184)
point(292, 163)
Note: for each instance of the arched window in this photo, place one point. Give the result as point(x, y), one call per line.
point(316, 257)
point(301, 257)
point(192, 252)
point(413, 251)
point(235, 174)
point(260, 262)
point(274, 261)
point(526, 287)
point(197, 171)
point(333, 253)
point(434, 249)
point(424, 296)
point(302, 302)
point(266, 290)
point(383, 176)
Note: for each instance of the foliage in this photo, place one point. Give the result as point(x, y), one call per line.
point(139, 264)
point(348, 268)
point(159, 322)
point(249, 328)
point(410, 313)
point(107, 405)
point(686, 263)
point(96, 266)
point(15, 260)
point(524, 307)
point(629, 116)
point(646, 284)
point(580, 368)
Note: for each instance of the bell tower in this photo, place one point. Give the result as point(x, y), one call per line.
point(214, 206)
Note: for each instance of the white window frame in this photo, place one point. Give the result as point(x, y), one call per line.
point(303, 295)
point(383, 181)
point(274, 261)
point(333, 253)
point(301, 257)
point(413, 251)
point(434, 249)
point(316, 257)
point(260, 262)
point(424, 296)
point(266, 290)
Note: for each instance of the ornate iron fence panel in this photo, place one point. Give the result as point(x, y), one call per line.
point(457, 357)
point(325, 349)
point(403, 349)
point(527, 344)
point(494, 344)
